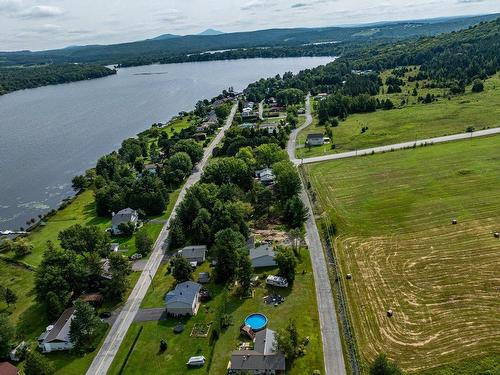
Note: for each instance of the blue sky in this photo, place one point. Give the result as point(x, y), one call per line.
point(35, 25)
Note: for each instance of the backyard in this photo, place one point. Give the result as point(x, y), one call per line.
point(300, 305)
point(391, 219)
point(411, 122)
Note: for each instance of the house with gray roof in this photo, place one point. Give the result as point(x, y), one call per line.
point(262, 256)
point(196, 253)
point(266, 176)
point(264, 359)
point(315, 139)
point(56, 337)
point(123, 217)
point(184, 299)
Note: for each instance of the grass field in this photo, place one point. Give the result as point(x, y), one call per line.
point(300, 304)
point(393, 216)
point(414, 121)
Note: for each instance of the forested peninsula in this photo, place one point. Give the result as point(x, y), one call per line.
point(28, 77)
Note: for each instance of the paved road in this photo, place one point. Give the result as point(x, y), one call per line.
point(397, 146)
point(107, 353)
point(332, 345)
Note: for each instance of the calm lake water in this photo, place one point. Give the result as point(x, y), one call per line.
point(50, 134)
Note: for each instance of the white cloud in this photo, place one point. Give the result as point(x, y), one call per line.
point(8, 6)
point(42, 11)
point(171, 15)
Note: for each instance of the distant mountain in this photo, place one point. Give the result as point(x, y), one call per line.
point(211, 32)
point(168, 46)
point(165, 37)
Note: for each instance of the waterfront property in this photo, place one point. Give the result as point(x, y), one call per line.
point(56, 337)
point(184, 299)
point(124, 216)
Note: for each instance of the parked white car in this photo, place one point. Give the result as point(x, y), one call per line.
point(136, 256)
point(277, 281)
point(198, 360)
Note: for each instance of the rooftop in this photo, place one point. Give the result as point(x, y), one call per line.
point(60, 329)
point(262, 250)
point(263, 357)
point(315, 136)
point(183, 293)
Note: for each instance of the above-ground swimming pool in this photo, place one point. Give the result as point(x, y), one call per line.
point(256, 321)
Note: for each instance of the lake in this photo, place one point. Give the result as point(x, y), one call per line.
point(50, 134)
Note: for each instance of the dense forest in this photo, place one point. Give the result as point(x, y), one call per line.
point(18, 78)
point(317, 41)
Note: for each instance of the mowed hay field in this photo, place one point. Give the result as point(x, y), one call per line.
point(393, 214)
point(413, 121)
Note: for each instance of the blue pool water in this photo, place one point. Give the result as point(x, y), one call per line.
point(256, 321)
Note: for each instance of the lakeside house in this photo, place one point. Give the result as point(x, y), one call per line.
point(266, 176)
point(184, 299)
point(196, 253)
point(124, 216)
point(262, 256)
point(8, 369)
point(315, 139)
point(263, 359)
point(56, 336)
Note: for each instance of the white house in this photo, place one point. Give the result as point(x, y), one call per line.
point(56, 337)
point(315, 139)
point(123, 217)
point(184, 299)
point(195, 253)
point(262, 256)
point(266, 176)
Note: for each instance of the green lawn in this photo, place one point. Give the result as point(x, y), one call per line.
point(392, 213)
point(26, 313)
point(414, 121)
point(300, 304)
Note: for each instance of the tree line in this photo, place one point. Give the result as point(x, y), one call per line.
point(28, 77)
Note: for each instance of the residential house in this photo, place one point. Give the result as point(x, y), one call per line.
point(123, 217)
point(196, 253)
point(315, 139)
point(7, 369)
point(266, 176)
point(270, 127)
point(184, 299)
point(56, 337)
point(151, 168)
point(246, 125)
point(264, 359)
point(262, 256)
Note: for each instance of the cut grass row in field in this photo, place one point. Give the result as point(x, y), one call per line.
point(300, 305)
point(415, 121)
point(393, 216)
